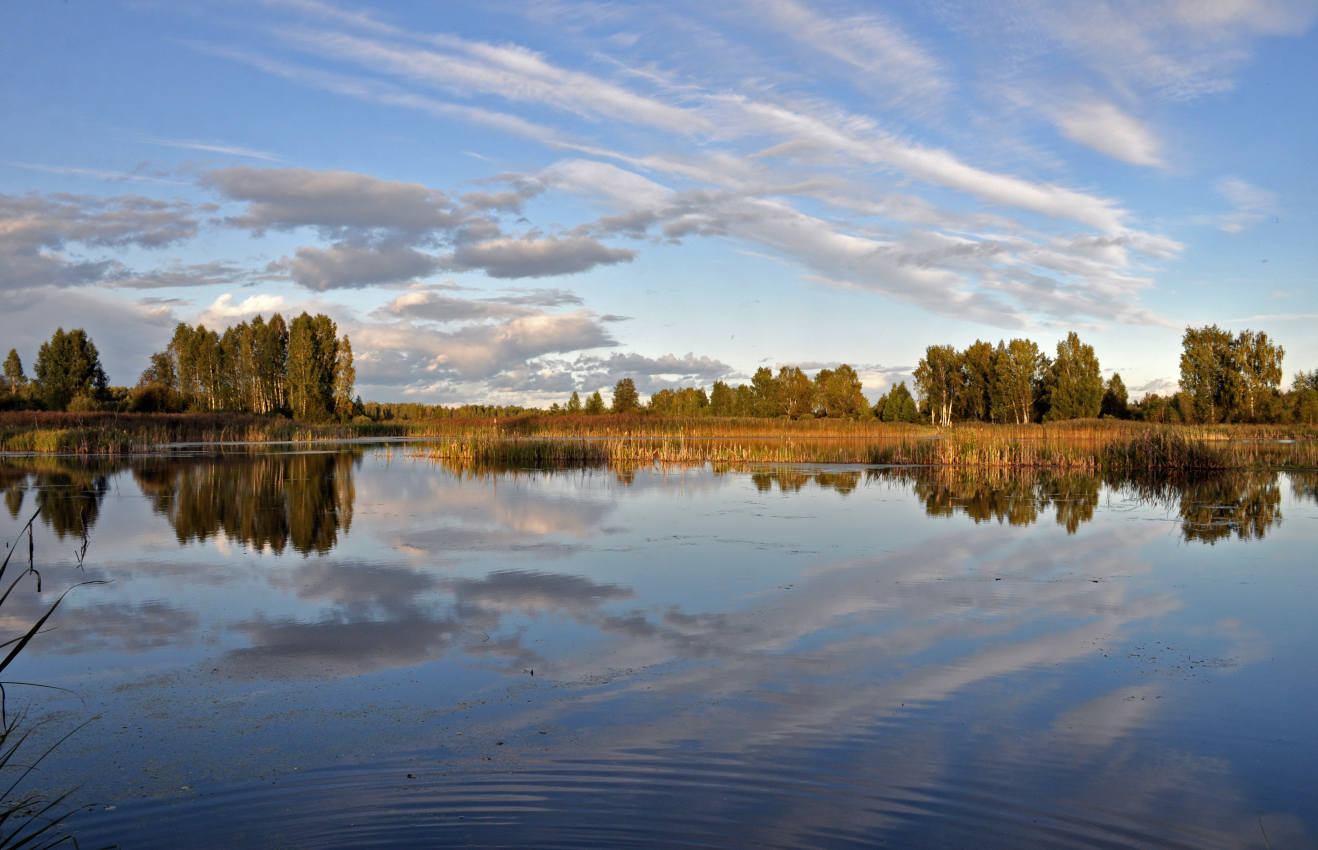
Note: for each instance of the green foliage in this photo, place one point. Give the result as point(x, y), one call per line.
point(625, 398)
point(1018, 370)
point(1115, 403)
point(15, 380)
point(1072, 384)
point(574, 403)
point(794, 393)
point(766, 399)
point(938, 378)
point(1228, 379)
point(257, 367)
point(595, 404)
point(837, 394)
point(897, 406)
point(68, 366)
point(688, 401)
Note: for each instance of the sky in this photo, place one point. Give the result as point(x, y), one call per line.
point(506, 202)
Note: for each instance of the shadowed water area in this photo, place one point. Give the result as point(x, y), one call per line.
point(369, 648)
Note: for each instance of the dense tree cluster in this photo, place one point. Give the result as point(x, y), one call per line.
point(1012, 382)
point(67, 375)
point(791, 393)
point(413, 411)
point(302, 368)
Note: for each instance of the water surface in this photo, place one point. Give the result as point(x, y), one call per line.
point(361, 647)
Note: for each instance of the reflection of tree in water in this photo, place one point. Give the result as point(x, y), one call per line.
point(68, 491)
point(792, 480)
point(1017, 498)
point(1074, 497)
point(1304, 484)
point(1245, 504)
point(14, 499)
point(273, 500)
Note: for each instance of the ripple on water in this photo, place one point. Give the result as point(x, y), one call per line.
point(798, 795)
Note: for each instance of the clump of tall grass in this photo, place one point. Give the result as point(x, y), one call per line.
point(26, 819)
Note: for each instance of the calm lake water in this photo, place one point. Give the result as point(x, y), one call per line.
point(364, 648)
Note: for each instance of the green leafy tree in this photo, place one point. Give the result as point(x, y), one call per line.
point(766, 398)
point(312, 354)
point(1018, 366)
point(68, 367)
point(975, 400)
point(795, 393)
point(838, 393)
point(15, 380)
point(898, 405)
point(1259, 361)
point(345, 376)
point(1073, 383)
point(1208, 374)
point(1115, 403)
point(1228, 378)
point(625, 398)
point(722, 400)
point(574, 403)
point(595, 404)
point(938, 378)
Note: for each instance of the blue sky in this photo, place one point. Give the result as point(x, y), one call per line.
point(509, 201)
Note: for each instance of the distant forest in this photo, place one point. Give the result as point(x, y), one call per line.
point(303, 369)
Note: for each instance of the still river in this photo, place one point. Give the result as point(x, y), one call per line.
point(360, 647)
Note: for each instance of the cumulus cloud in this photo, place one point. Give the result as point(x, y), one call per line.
point(431, 306)
point(530, 257)
point(223, 310)
point(416, 351)
point(354, 265)
point(1106, 129)
point(35, 230)
point(336, 202)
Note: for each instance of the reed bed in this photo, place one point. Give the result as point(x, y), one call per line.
point(1126, 448)
point(534, 440)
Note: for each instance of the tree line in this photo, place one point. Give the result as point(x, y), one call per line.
point(304, 369)
point(835, 393)
point(300, 368)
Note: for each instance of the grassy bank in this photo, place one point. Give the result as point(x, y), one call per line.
point(123, 433)
point(637, 439)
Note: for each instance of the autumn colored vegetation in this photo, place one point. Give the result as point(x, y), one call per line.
point(1003, 405)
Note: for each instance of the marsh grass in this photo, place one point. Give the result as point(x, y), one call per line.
point(28, 820)
point(1079, 447)
point(534, 440)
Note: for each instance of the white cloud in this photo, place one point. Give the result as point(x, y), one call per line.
point(895, 67)
point(526, 257)
point(223, 309)
point(1252, 204)
point(1106, 129)
point(212, 147)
